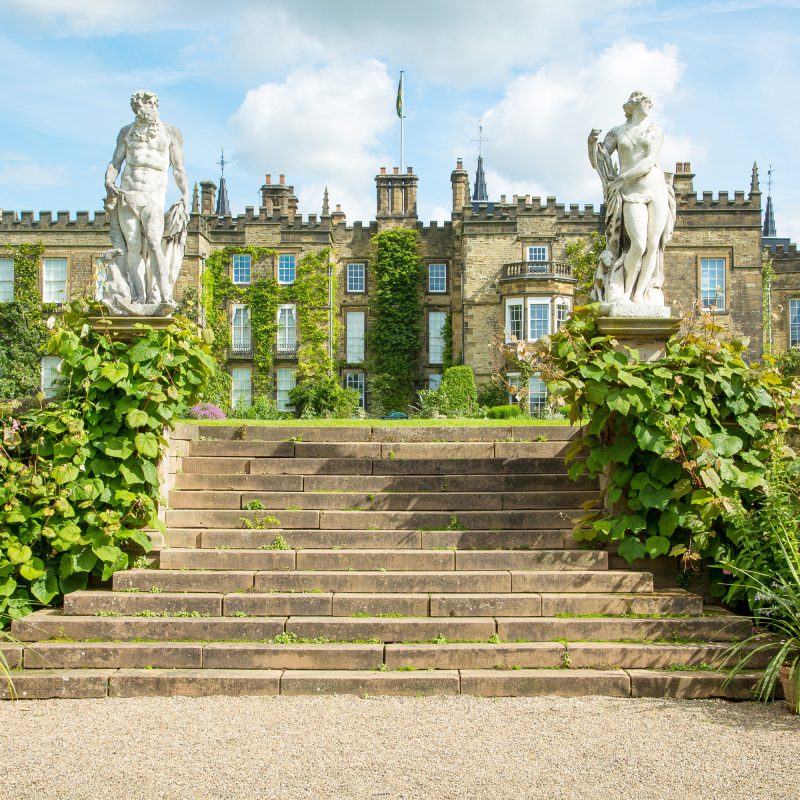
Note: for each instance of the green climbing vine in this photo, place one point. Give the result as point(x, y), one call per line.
point(447, 336)
point(394, 352)
point(311, 292)
point(22, 325)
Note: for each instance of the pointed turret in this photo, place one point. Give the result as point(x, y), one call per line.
point(195, 200)
point(480, 194)
point(223, 206)
point(769, 231)
point(754, 187)
point(326, 209)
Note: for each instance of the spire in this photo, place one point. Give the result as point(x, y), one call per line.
point(326, 209)
point(223, 206)
point(754, 187)
point(196, 200)
point(769, 230)
point(480, 194)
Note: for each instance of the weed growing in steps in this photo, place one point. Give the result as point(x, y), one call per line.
point(278, 543)
point(259, 523)
point(254, 505)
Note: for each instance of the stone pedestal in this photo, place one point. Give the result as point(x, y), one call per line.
point(648, 335)
point(124, 329)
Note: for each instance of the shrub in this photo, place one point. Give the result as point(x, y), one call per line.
point(324, 398)
point(490, 395)
point(264, 408)
point(79, 478)
point(683, 441)
point(504, 412)
point(428, 403)
point(206, 411)
point(789, 362)
point(457, 394)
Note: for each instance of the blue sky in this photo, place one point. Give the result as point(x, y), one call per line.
point(308, 89)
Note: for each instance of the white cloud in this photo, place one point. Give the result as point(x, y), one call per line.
point(537, 132)
point(318, 127)
point(21, 169)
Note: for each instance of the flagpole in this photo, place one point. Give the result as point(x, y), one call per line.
point(402, 117)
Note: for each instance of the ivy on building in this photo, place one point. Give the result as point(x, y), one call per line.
point(312, 292)
point(447, 337)
point(23, 332)
point(396, 311)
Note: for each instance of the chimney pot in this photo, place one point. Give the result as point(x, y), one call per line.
point(383, 170)
point(396, 170)
point(459, 163)
point(338, 206)
point(410, 170)
point(268, 179)
point(282, 179)
point(687, 166)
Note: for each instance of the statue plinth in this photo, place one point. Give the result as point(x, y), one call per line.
point(627, 310)
point(648, 335)
point(125, 329)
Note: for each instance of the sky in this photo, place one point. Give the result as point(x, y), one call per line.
point(308, 89)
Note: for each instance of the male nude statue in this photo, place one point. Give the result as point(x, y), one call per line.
point(147, 147)
point(640, 205)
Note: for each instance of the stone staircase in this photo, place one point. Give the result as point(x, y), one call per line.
point(311, 560)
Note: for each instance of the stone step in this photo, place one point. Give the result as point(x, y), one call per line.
point(50, 624)
point(194, 558)
point(184, 581)
point(87, 603)
point(378, 433)
point(716, 627)
point(581, 581)
point(113, 655)
point(94, 683)
point(475, 655)
point(364, 520)
point(467, 466)
point(382, 483)
point(393, 501)
point(370, 539)
point(414, 629)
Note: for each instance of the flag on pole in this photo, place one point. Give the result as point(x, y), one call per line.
point(399, 104)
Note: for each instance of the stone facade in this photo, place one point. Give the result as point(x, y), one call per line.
point(503, 262)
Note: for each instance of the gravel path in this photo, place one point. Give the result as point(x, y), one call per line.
point(326, 748)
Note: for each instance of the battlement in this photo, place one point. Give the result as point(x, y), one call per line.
point(532, 206)
point(789, 252)
point(266, 216)
point(722, 199)
point(63, 220)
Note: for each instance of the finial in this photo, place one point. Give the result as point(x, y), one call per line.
point(195, 200)
point(480, 140)
point(754, 187)
point(222, 162)
point(769, 181)
point(326, 211)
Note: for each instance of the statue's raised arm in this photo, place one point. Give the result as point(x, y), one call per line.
point(147, 243)
point(640, 213)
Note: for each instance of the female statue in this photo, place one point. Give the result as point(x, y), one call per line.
point(640, 210)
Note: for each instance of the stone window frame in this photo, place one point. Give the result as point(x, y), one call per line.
point(513, 301)
point(68, 279)
point(11, 298)
point(248, 392)
point(362, 389)
point(279, 389)
point(49, 365)
point(286, 348)
point(723, 256)
point(363, 265)
point(438, 263)
point(430, 311)
point(796, 342)
point(538, 300)
point(241, 346)
point(354, 310)
point(278, 268)
point(561, 301)
point(234, 257)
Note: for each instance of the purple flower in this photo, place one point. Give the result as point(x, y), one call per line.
point(206, 411)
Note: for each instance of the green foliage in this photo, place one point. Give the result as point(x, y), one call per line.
point(458, 396)
point(767, 277)
point(492, 394)
point(504, 412)
point(262, 408)
point(788, 363)
point(684, 441)
point(583, 257)
point(79, 478)
point(396, 310)
point(447, 336)
point(313, 291)
point(22, 328)
point(324, 397)
point(428, 403)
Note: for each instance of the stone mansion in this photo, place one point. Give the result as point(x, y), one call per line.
point(496, 267)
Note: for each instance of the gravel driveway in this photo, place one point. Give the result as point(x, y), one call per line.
point(325, 748)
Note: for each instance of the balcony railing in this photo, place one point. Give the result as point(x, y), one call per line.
point(286, 349)
point(240, 351)
point(537, 270)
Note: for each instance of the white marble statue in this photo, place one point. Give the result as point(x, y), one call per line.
point(137, 276)
point(640, 214)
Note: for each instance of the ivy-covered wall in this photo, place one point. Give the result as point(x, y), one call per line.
point(22, 326)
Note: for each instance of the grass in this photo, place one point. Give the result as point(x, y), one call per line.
point(379, 423)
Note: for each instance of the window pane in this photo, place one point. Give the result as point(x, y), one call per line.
point(241, 267)
point(437, 278)
point(514, 320)
point(50, 375)
point(538, 320)
point(241, 387)
point(241, 331)
point(287, 329)
point(512, 379)
point(354, 323)
point(562, 312)
point(434, 380)
point(712, 283)
point(537, 396)
point(355, 380)
point(435, 338)
point(6, 279)
point(538, 253)
point(286, 268)
point(355, 278)
point(54, 282)
point(285, 383)
point(794, 323)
